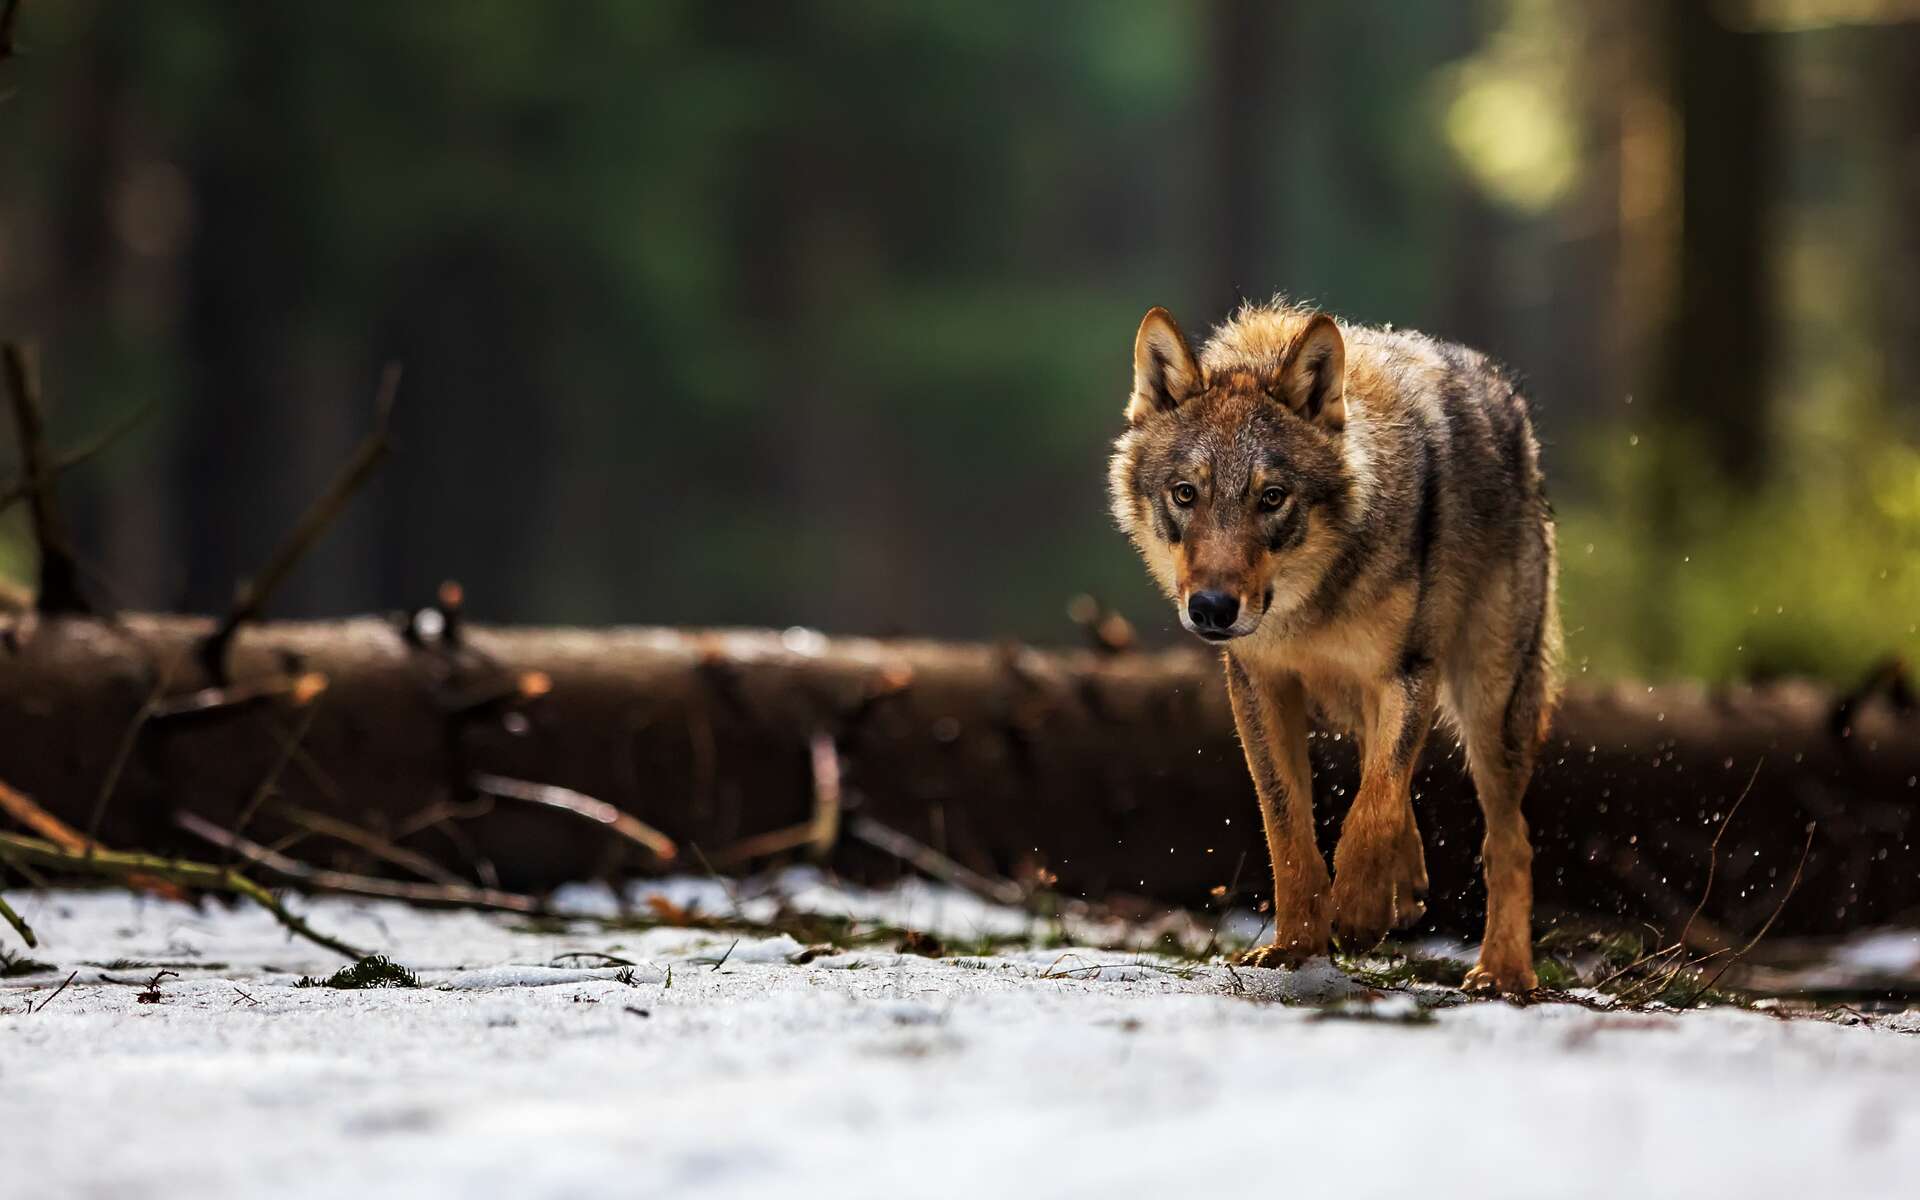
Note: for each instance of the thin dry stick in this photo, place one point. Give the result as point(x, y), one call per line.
point(272, 778)
point(567, 800)
point(322, 825)
point(824, 758)
point(317, 775)
point(819, 832)
point(19, 924)
point(1679, 948)
point(252, 596)
point(1713, 852)
point(59, 574)
point(1659, 955)
point(56, 993)
point(24, 486)
point(322, 880)
point(124, 751)
point(442, 815)
point(1792, 885)
point(761, 845)
point(927, 860)
point(115, 865)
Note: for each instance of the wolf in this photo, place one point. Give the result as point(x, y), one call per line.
point(1357, 518)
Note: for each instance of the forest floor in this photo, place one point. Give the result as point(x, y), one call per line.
point(619, 1056)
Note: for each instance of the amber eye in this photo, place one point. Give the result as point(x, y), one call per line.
point(1272, 498)
point(1184, 494)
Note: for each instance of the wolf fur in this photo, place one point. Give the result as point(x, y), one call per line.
point(1357, 516)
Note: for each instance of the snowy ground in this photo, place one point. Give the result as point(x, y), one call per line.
point(1035, 1072)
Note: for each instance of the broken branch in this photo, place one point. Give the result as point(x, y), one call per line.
point(568, 800)
point(323, 880)
point(115, 865)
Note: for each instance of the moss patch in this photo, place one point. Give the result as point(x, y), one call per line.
point(373, 971)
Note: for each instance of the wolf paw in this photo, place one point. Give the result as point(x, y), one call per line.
point(1511, 980)
point(1276, 955)
point(1376, 889)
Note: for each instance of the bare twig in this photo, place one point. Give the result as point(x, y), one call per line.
point(123, 752)
point(19, 924)
point(115, 865)
point(272, 778)
point(1675, 954)
point(24, 486)
point(818, 833)
point(926, 859)
point(1753, 941)
point(566, 799)
point(56, 992)
point(322, 880)
point(322, 825)
point(25, 810)
point(59, 574)
point(1713, 852)
point(763, 845)
point(252, 595)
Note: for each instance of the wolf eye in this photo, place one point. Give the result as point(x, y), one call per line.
point(1184, 494)
point(1272, 498)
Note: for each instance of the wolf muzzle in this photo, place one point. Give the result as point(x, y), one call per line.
point(1217, 616)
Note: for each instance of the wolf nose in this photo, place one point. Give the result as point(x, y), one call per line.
point(1212, 611)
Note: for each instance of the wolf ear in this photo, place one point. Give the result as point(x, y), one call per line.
point(1164, 372)
point(1313, 379)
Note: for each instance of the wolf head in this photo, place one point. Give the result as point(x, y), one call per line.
point(1231, 477)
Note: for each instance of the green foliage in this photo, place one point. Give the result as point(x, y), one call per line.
point(373, 971)
point(1671, 572)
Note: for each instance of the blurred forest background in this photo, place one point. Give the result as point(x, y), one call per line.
point(820, 313)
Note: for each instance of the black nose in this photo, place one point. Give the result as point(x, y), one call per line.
point(1212, 612)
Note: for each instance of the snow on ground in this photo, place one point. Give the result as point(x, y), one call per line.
point(719, 1068)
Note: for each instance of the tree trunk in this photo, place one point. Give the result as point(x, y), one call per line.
point(1117, 773)
point(1716, 357)
point(1241, 74)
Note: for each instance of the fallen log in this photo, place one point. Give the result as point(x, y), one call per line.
point(1096, 773)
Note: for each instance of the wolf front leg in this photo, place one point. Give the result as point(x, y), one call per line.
point(1271, 715)
point(1379, 866)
